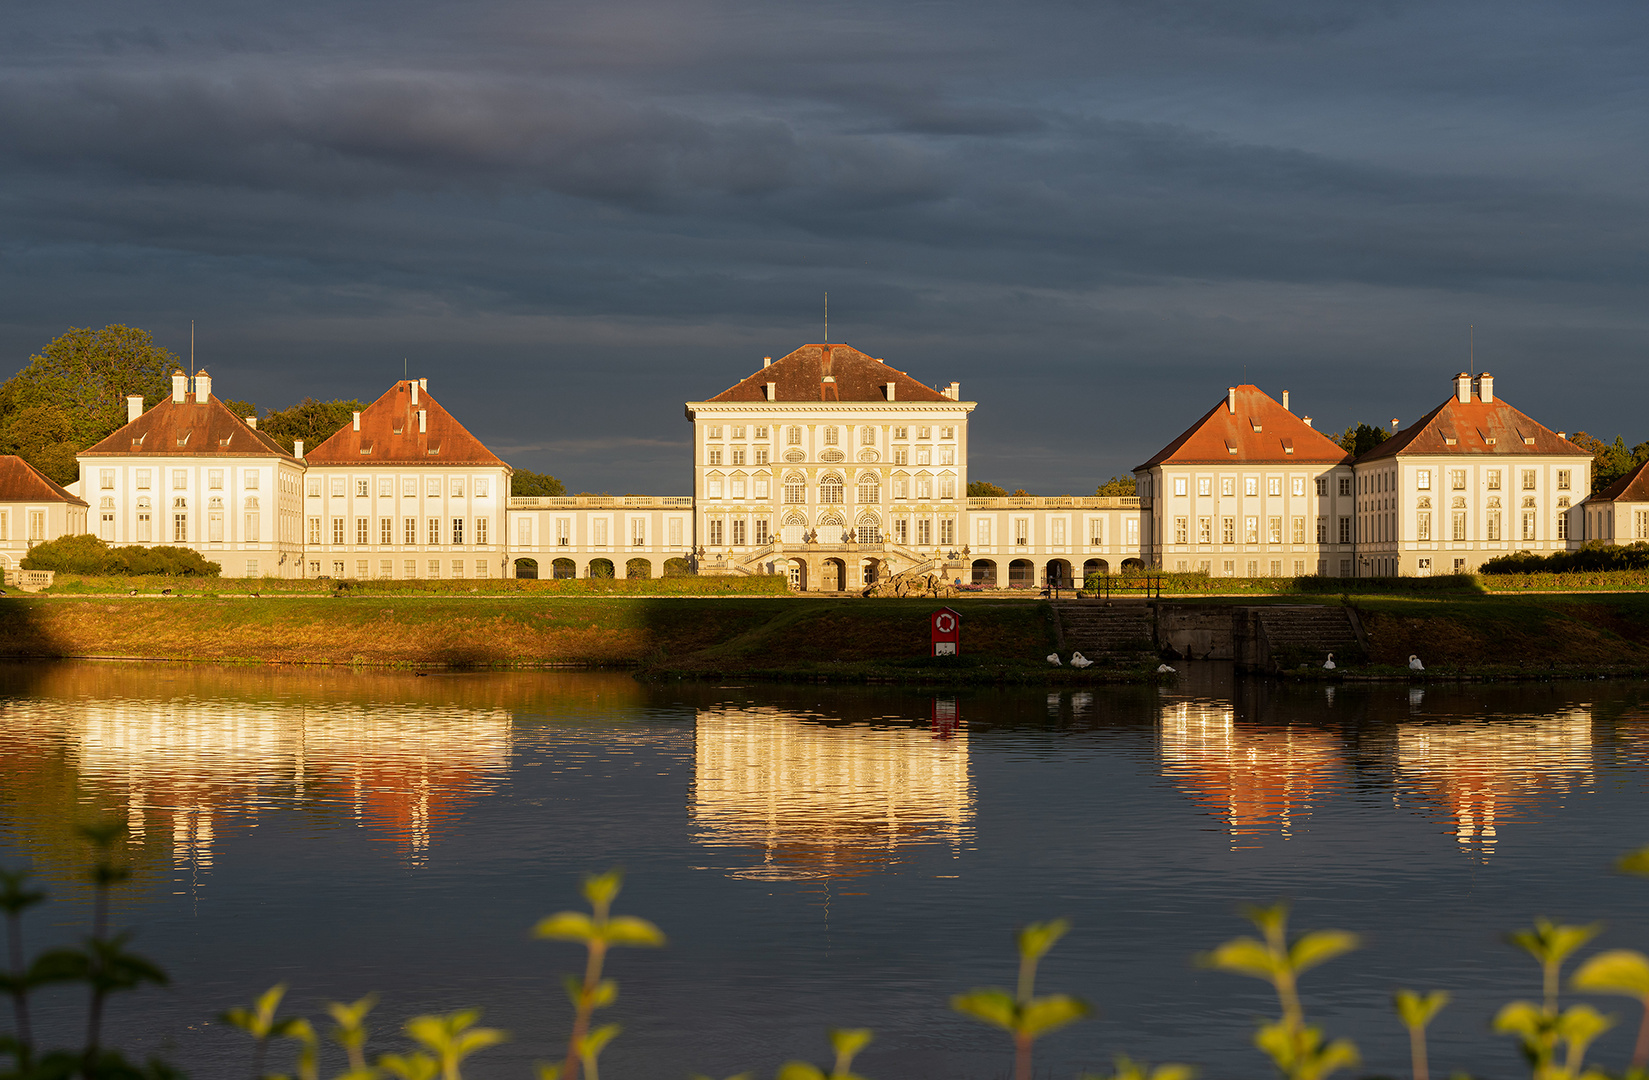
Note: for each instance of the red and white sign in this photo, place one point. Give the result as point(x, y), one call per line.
point(946, 625)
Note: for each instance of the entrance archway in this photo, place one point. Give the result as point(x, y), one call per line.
point(526, 568)
point(601, 568)
point(832, 575)
point(638, 568)
point(1058, 573)
point(984, 572)
point(1021, 574)
point(798, 575)
point(870, 571)
point(1132, 566)
point(1095, 566)
point(563, 569)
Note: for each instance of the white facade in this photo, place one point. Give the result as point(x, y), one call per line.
point(599, 535)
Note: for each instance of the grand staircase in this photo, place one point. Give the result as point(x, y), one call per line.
point(1122, 632)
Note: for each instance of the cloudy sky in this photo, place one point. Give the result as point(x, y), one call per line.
point(572, 217)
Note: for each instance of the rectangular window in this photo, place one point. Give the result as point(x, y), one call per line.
point(251, 568)
point(386, 568)
point(314, 530)
point(143, 480)
point(924, 433)
point(386, 487)
point(1457, 479)
point(409, 530)
point(338, 491)
point(714, 456)
point(1251, 485)
point(675, 531)
point(1058, 525)
point(947, 487)
point(180, 479)
point(481, 530)
point(214, 479)
point(563, 532)
point(738, 455)
point(482, 568)
point(712, 487)
point(386, 530)
point(900, 433)
point(1274, 486)
point(1096, 531)
point(1563, 476)
point(457, 530)
point(1528, 525)
point(1022, 530)
point(252, 530)
point(1422, 525)
point(1528, 479)
point(737, 487)
point(1179, 485)
point(638, 531)
point(1493, 522)
point(713, 431)
point(1640, 524)
point(434, 532)
point(762, 534)
point(1181, 530)
point(338, 531)
point(924, 455)
point(759, 431)
point(363, 487)
point(523, 532)
point(1205, 486)
point(1345, 485)
point(1251, 530)
point(249, 479)
point(982, 532)
point(1562, 526)
point(1205, 530)
point(947, 529)
point(598, 527)
point(924, 487)
point(1299, 485)
point(793, 436)
point(1299, 530)
point(1228, 530)
point(360, 530)
point(1228, 485)
point(901, 530)
point(1131, 532)
point(409, 569)
point(1345, 530)
point(1422, 480)
point(106, 479)
point(738, 431)
point(180, 528)
point(1459, 524)
point(435, 568)
point(947, 455)
point(432, 485)
point(458, 568)
point(738, 532)
point(924, 531)
point(714, 526)
point(761, 455)
point(1274, 530)
point(901, 456)
point(409, 490)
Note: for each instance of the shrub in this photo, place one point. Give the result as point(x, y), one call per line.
point(87, 554)
point(1595, 556)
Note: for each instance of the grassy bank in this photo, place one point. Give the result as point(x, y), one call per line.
point(1510, 634)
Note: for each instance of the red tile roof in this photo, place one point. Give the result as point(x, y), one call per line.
point(22, 482)
point(1633, 487)
point(829, 373)
point(389, 432)
point(1258, 429)
point(188, 428)
point(1476, 427)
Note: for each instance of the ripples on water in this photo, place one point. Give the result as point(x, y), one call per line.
point(825, 856)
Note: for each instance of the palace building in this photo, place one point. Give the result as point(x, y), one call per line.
point(836, 469)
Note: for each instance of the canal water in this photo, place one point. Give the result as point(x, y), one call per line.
point(825, 857)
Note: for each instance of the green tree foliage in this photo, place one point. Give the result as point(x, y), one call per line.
point(984, 489)
point(1359, 439)
point(1118, 485)
point(242, 409)
point(1610, 461)
point(312, 421)
point(43, 436)
point(86, 554)
point(527, 483)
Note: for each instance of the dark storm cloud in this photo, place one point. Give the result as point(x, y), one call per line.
point(626, 204)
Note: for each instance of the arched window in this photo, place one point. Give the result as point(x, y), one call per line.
point(795, 489)
point(870, 529)
point(832, 435)
point(870, 488)
point(830, 489)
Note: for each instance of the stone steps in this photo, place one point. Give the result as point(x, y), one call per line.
point(1118, 632)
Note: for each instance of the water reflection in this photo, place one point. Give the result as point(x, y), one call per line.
point(1481, 775)
point(1256, 779)
point(818, 799)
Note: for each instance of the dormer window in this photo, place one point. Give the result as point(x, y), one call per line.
point(183, 440)
point(1255, 424)
point(366, 447)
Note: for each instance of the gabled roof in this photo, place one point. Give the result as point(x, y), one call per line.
point(188, 428)
point(1633, 487)
point(389, 433)
point(22, 482)
point(1475, 427)
point(1249, 425)
point(829, 373)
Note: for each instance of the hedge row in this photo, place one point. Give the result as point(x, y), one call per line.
point(1594, 557)
point(1599, 581)
point(86, 554)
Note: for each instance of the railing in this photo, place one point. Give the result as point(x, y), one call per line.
point(1080, 502)
point(1105, 584)
point(529, 502)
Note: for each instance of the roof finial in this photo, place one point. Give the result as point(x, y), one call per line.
point(191, 350)
point(1471, 348)
point(827, 319)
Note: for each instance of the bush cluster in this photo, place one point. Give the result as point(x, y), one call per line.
point(1594, 557)
point(87, 554)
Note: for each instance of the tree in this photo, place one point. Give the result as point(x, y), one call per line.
point(1361, 438)
point(1610, 462)
point(43, 436)
point(984, 489)
point(312, 421)
point(242, 409)
point(527, 483)
point(1118, 485)
point(86, 374)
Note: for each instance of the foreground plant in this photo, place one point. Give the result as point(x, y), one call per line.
point(847, 1042)
point(1129, 1069)
point(1417, 1011)
point(1299, 1050)
point(1542, 1029)
point(1023, 1015)
point(598, 931)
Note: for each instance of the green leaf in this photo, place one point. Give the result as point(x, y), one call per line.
point(602, 889)
point(1271, 921)
point(417, 1066)
point(1044, 1014)
point(1636, 862)
point(847, 1042)
point(591, 1045)
point(1550, 943)
point(1320, 946)
point(566, 926)
point(546, 1071)
point(1129, 1069)
point(1521, 1018)
point(1417, 1010)
point(1036, 939)
point(1580, 1024)
point(1244, 956)
point(259, 1020)
point(800, 1070)
point(1618, 971)
point(989, 1004)
point(629, 930)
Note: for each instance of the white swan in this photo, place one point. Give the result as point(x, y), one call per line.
point(1053, 658)
point(1080, 661)
point(1415, 664)
point(1164, 669)
point(1328, 665)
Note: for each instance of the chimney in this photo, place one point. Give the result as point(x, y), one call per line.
point(1563, 434)
point(423, 384)
point(297, 448)
point(892, 391)
point(772, 391)
point(1485, 383)
point(203, 387)
point(414, 384)
point(134, 407)
point(180, 387)
point(252, 422)
point(357, 421)
point(1285, 402)
point(422, 427)
point(1231, 399)
point(1306, 420)
point(766, 360)
point(1394, 425)
point(1463, 388)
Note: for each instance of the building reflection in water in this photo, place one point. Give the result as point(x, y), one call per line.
point(189, 767)
point(1482, 775)
point(1255, 779)
point(818, 799)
